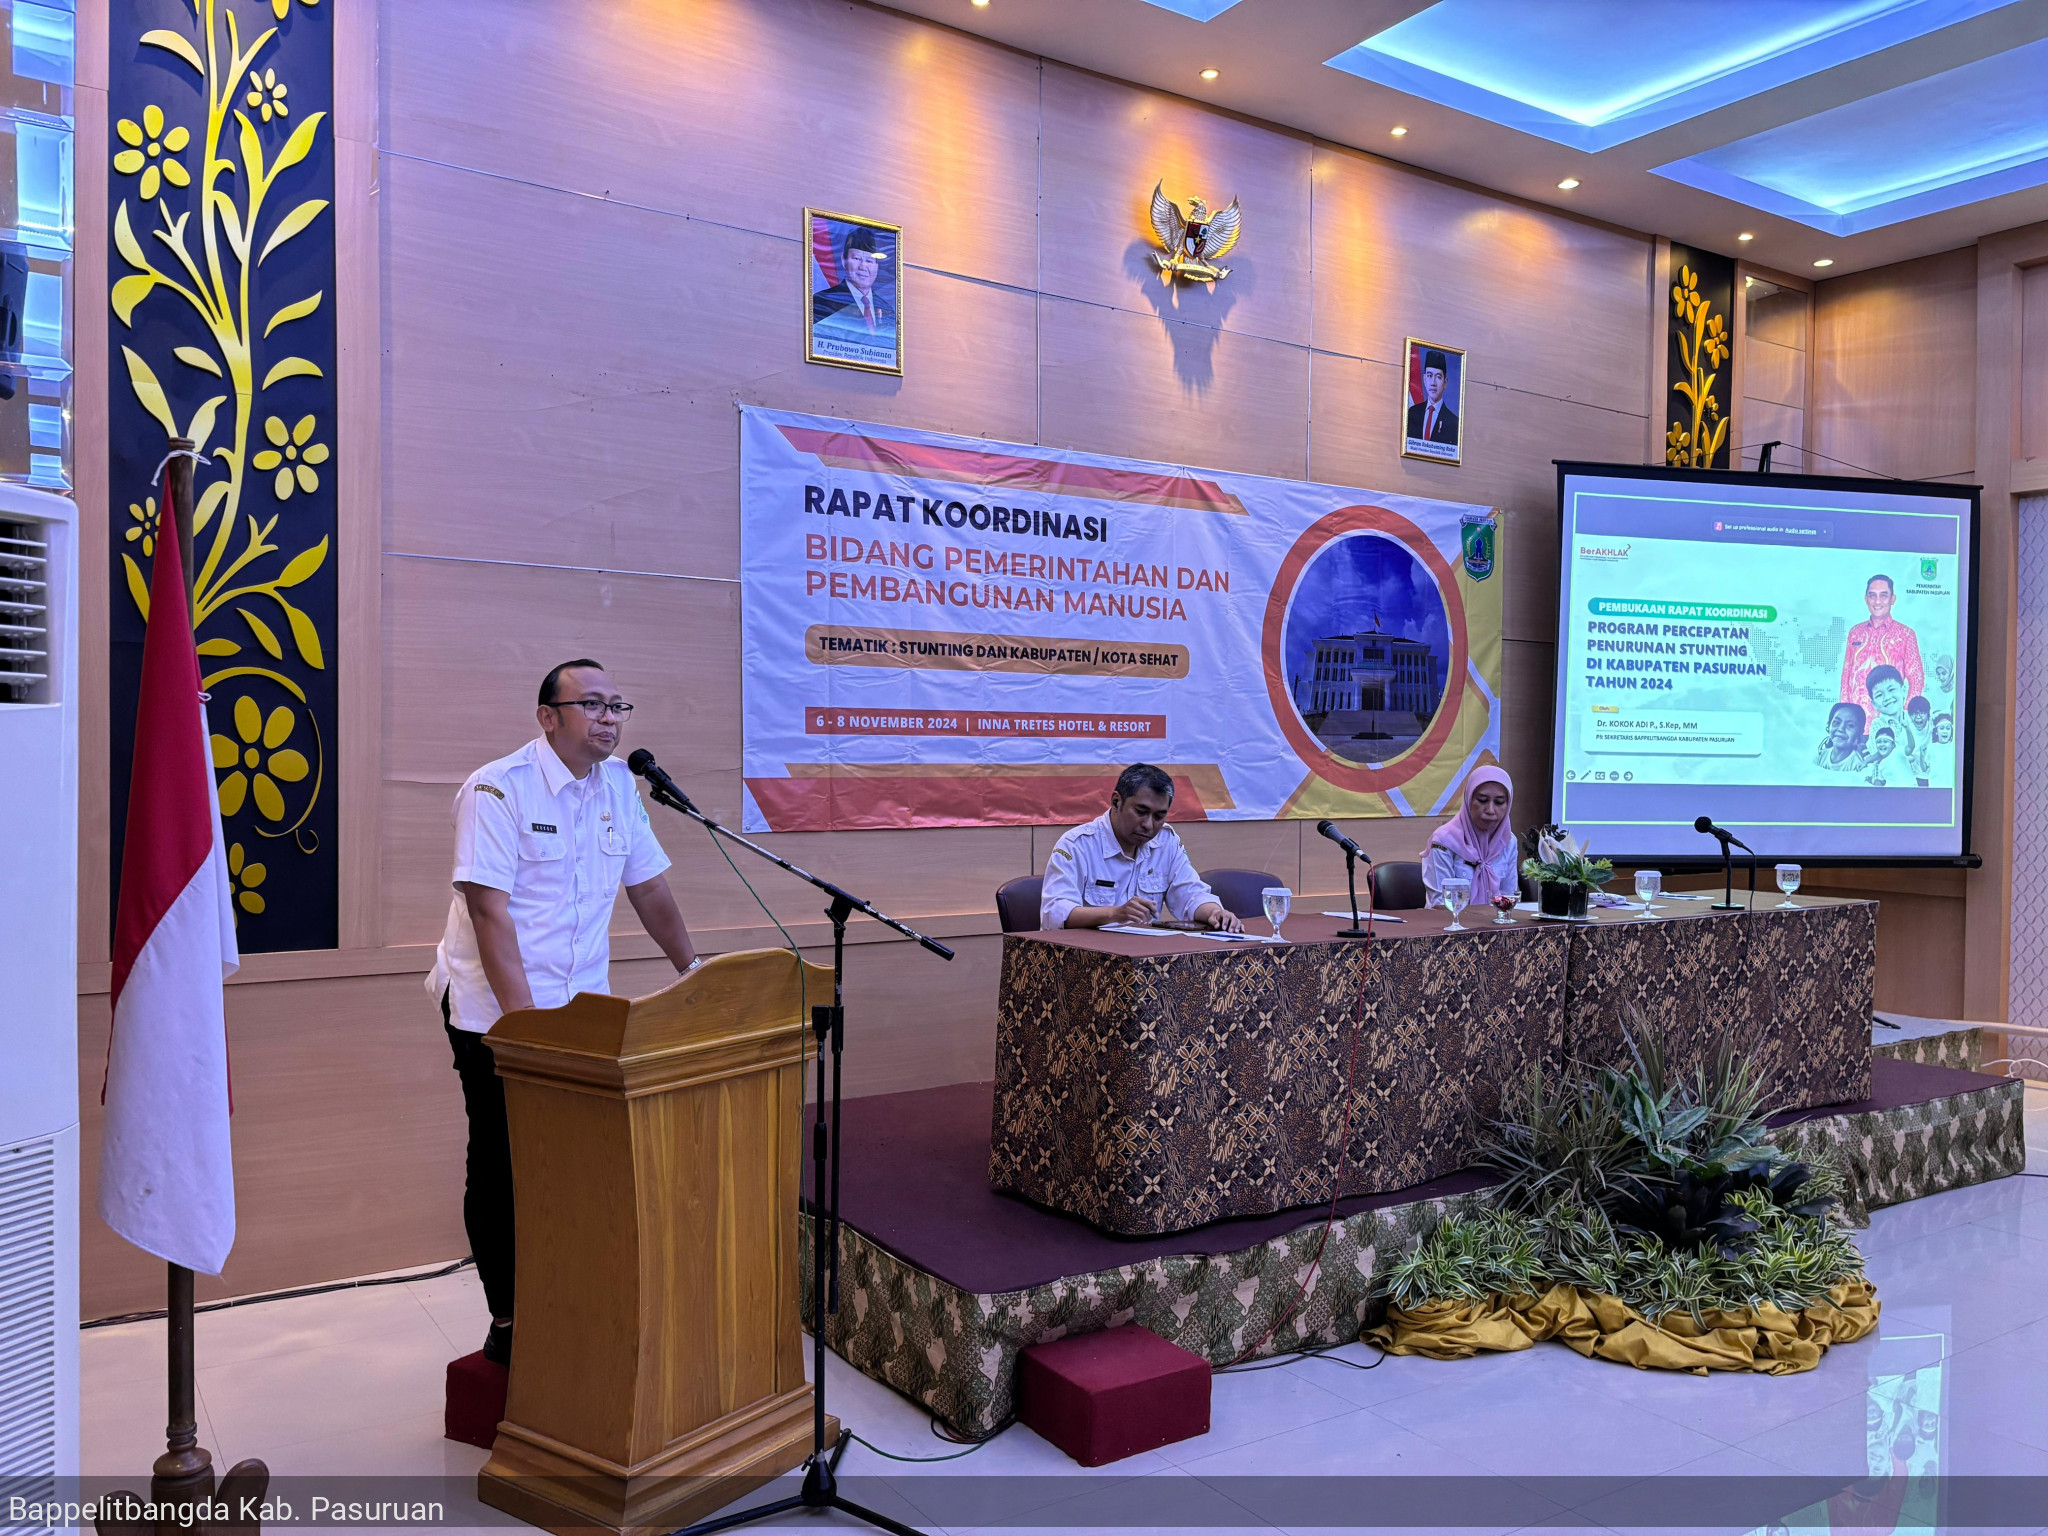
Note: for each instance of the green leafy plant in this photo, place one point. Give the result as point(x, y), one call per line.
point(1560, 860)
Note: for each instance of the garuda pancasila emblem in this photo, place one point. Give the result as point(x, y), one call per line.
point(1195, 242)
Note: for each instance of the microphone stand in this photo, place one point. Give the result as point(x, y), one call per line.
point(1727, 901)
point(1351, 879)
point(821, 1479)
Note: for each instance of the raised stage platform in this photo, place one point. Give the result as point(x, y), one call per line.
point(943, 1280)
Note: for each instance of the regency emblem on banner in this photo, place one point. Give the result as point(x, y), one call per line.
point(1475, 537)
point(1195, 242)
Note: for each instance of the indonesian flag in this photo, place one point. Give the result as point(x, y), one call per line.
point(167, 1178)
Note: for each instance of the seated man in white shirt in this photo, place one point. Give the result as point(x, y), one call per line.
point(1128, 864)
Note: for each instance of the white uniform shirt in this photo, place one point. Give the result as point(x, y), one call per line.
point(561, 847)
point(1089, 868)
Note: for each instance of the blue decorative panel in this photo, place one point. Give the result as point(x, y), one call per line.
point(221, 265)
point(1969, 133)
point(1595, 73)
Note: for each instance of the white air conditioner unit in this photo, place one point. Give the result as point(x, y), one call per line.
point(39, 1218)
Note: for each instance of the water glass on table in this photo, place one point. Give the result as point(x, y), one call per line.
point(1457, 894)
point(1276, 899)
point(1788, 882)
point(1649, 886)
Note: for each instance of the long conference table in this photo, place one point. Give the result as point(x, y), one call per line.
point(1149, 1084)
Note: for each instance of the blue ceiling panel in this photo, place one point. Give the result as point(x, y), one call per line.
point(1592, 73)
point(1957, 137)
point(1201, 10)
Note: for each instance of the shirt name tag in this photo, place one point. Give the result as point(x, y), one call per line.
point(543, 826)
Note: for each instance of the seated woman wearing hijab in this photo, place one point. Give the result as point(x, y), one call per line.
point(1477, 844)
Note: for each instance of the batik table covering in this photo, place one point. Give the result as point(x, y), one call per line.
point(1151, 1084)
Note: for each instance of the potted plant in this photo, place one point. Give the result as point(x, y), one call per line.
point(1566, 876)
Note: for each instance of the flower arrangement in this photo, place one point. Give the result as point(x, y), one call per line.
point(1560, 860)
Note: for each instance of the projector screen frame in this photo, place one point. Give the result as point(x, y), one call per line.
point(1848, 484)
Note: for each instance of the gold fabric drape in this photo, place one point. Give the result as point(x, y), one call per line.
point(1764, 1339)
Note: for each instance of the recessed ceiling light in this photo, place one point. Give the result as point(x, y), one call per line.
point(979, 5)
point(1400, 133)
point(1210, 74)
point(1568, 183)
point(1745, 237)
point(1825, 261)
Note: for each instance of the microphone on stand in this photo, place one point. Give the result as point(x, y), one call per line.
point(1329, 830)
point(1706, 825)
point(642, 762)
point(1352, 854)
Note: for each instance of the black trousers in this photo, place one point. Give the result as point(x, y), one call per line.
point(487, 1187)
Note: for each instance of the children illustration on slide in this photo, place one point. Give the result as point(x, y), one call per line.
point(1841, 749)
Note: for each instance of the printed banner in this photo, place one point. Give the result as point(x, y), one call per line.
point(942, 631)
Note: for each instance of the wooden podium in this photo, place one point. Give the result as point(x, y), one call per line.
point(657, 1371)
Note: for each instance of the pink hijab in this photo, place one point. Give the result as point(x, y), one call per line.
point(1476, 848)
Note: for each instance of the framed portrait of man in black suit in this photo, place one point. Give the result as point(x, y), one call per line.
point(1433, 405)
point(853, 292)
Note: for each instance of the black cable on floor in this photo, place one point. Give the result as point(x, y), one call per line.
point(304, 1290)
point(939, 1432)
point(1320, 1352)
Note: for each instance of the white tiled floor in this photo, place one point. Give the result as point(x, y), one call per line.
point(351, 1382)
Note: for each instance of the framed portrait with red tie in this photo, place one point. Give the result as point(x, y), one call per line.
point(1433, 407)
point(853, 292)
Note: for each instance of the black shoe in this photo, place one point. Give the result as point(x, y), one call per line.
point(498, 1344)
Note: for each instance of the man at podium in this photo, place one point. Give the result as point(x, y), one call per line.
point(544, 838)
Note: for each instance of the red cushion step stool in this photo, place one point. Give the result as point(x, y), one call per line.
point(1103, 1396)
point(476, 1400)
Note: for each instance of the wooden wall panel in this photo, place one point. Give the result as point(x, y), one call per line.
point(1107, 143)
point(89, 319)
point(587, 416)
point(1895, 369)
point(731, 111)
point(1541, 302)
point(1528, 699)
point(2033, 360)
point(1774, 373)
point(1142, 386)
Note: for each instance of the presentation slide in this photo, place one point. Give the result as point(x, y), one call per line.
point(1787, 657)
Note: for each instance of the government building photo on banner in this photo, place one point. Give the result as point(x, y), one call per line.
point(853, 299)
point(1433, 406)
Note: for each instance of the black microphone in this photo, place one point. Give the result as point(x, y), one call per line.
point(1706, 824)
point(1329, 830)
point(642, 762)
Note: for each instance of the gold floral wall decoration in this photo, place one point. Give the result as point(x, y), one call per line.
point(1702, 289)
point(221, 281)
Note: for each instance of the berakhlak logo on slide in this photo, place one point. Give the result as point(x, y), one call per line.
point(1604, 551)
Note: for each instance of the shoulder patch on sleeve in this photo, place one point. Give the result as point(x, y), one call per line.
point(1062, 852)
point(490, 789)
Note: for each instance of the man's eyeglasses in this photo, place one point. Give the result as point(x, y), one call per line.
point(596, 708)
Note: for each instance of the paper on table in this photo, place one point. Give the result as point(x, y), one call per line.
point(1243, 938)
point(1157, 933)
point(1378, 917)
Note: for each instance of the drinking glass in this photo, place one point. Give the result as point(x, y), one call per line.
point(1649, 886)
point(1788, 882)
point(1456, 894)
point(1503, 906)
point(1276, 899)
